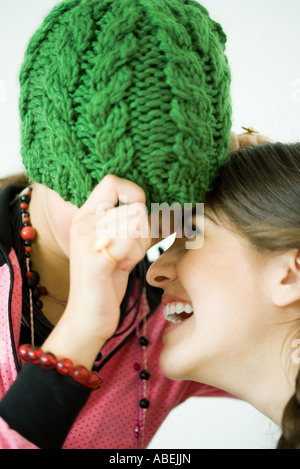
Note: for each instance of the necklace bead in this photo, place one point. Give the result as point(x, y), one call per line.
point(25, 198)
point(144, 403)
point(137, 430)
point(23, 206)
point(137, 366)
point(144, 375)
point(144, 341)
point(39, 304)
point(28, 233)
point(36, 292)
point(33, 279)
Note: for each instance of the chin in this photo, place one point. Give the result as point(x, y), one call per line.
point(174, 369)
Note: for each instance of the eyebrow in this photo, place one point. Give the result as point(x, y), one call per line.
point(209, 217)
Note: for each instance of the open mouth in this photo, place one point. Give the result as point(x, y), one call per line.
point(177, 312)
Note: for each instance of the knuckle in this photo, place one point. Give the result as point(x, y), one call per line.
point(109, 178)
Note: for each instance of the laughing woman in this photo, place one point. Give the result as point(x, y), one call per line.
point(243, 284)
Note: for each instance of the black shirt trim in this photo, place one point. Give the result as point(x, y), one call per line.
point(42, 406)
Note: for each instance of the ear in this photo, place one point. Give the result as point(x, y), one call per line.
point(285, 279)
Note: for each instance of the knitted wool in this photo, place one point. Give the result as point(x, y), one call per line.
point(135, 88)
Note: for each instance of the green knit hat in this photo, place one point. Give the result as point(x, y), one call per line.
point(135, 88)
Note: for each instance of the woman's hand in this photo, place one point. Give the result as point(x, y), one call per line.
point(247, 139)
point(98, 286)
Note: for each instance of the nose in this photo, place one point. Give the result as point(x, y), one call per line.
point(162, 271)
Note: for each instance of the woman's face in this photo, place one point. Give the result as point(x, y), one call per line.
point(223, 281)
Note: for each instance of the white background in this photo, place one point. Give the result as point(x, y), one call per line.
point(263, 50)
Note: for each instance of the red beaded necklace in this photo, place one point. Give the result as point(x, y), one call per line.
point(28, 235)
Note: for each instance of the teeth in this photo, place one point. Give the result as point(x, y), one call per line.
point(188, 309)
point(178, 308)
point(172, 312)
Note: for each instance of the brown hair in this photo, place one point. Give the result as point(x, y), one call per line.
point(20, 180)
point(258, 192)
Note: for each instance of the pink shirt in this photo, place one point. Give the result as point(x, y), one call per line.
point(108, 419)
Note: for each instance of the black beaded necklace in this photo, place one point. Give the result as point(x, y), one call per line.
point(38, 326)
point(42, 326)
point(20, 218)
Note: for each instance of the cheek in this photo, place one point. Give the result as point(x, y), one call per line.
point(226, 312)
point(216, 282)
point(223, 300)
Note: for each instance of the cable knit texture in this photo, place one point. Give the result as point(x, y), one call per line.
point(135, 88)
